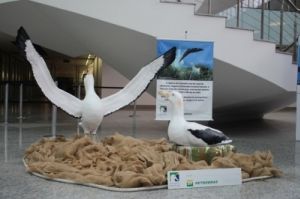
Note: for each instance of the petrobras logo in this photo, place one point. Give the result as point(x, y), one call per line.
point(189, 183)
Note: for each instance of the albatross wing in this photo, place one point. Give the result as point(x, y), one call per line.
point(138, 84)
point(209, 135)
point(60, 98)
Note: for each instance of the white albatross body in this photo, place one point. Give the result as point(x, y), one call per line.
point(92, 112)
point(91, 109)
point(187, 133)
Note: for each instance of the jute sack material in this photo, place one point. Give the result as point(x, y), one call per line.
point(126, 162)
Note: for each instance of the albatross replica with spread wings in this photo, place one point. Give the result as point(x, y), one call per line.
point(91, 109)
point(187, 133)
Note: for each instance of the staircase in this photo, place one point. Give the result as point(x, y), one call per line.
point(250, 78)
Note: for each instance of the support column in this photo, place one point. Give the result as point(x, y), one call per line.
point(79, 97)
point(54, 119)
point(5, 122)
point(298, 95)
point(134, 119)
point(21, 116)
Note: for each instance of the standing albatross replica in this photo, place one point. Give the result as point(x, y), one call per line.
point(91, 109)
point(187, 133)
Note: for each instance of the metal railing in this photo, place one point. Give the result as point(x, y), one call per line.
point(276, 21)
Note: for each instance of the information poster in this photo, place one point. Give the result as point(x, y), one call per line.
point(191, 74)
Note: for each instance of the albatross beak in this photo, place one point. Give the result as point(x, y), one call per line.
point(89, 70)
point(164, 93)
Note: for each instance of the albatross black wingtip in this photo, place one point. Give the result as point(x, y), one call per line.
point(21, 38)
point(189, 51)
point(169, 56)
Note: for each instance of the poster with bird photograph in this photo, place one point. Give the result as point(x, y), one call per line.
point(191, 74)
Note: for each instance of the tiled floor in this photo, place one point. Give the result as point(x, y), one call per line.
point(276, 133)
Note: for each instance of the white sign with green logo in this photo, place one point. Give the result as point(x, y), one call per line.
point(204, 178)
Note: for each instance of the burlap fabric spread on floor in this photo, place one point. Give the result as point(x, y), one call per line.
point(125, 162)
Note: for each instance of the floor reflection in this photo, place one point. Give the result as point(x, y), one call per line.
point(20, 132)
point(5, 143)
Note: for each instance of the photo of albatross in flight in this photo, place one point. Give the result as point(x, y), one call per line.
point(187, 133)
point(91, 109)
